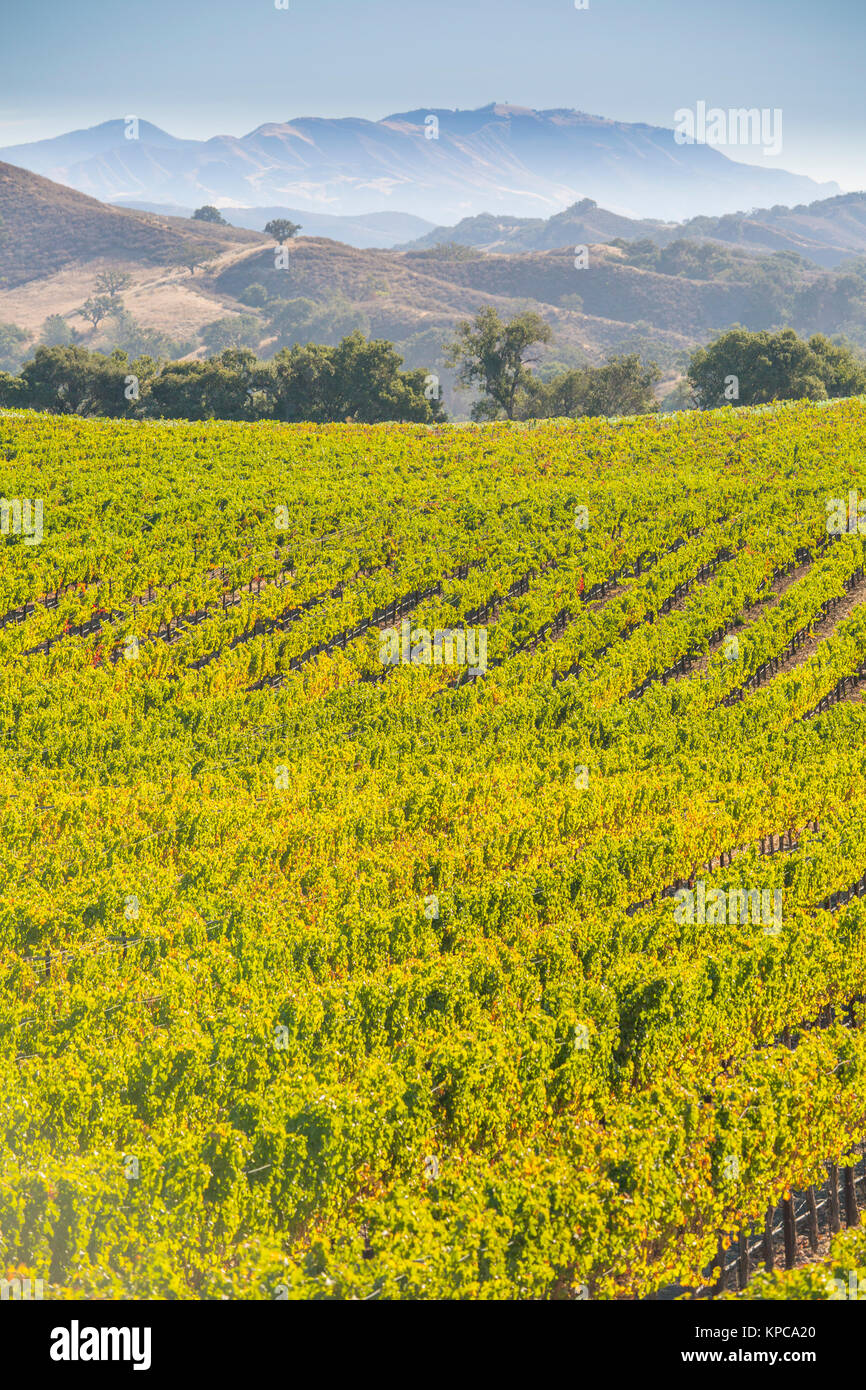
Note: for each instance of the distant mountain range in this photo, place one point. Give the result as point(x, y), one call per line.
point(438, 165)
point(383, 229)
point(827, 232)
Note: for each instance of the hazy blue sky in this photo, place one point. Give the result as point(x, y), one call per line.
point(207, 67)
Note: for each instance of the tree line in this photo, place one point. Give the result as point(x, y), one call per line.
point(363, 380)
point(357, 380)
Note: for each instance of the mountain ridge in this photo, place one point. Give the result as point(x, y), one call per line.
point(826, 231)
point(438, 164)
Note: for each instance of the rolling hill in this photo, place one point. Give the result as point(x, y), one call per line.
point(634, 296)
point(46, 226)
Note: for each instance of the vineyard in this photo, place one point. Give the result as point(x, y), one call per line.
point(434, 858)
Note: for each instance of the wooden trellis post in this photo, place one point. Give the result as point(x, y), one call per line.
point(813, 1217)
point(769, 1251)
point(789, 1224)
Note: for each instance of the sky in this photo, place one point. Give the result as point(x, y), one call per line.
point(199, 68)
